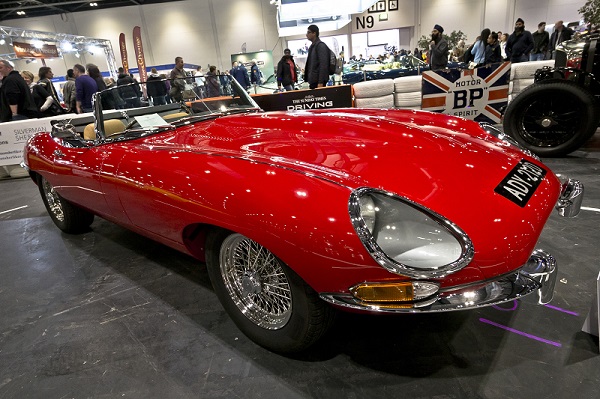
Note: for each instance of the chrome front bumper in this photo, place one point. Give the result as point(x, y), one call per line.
point(571, 196)
point(537, 275)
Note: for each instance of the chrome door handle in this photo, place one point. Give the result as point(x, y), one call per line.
point(59, 153)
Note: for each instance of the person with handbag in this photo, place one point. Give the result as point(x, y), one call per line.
point(45, 76)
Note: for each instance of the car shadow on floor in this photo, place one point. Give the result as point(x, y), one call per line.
point(403, 344)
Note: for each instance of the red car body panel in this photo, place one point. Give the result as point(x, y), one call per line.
point(284, 180)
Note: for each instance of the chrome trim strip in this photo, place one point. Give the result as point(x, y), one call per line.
point(571, 196)
point(398, 268)
point(537, 275)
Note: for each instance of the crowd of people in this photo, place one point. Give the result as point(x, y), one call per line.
point(24, 97)
point(491, 47)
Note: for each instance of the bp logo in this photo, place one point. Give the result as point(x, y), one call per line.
point(467, 97)
point(476, 94)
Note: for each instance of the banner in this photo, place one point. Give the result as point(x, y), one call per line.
point(27, 50)
point(476, 94)
point(139, 53)
point(326, 97)
point(123, 48)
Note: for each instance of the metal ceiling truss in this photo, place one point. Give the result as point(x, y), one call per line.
point(78, 43)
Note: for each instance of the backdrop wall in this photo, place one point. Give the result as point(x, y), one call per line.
point(208, 31)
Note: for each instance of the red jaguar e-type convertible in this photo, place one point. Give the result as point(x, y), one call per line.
point(298, 213)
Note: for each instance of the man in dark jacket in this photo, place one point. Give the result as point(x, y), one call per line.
point(16, 101)
point(438, 49)
point(286, 71)
point(129, 89)
point(85, 87)
point(316, 71)
point(519, 43)
point(240, 73)
point(561, 33)
point(157, 88)
point(541, 39)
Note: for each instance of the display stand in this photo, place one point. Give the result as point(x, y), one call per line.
point(592, 322)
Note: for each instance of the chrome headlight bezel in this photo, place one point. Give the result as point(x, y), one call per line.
point(378, 254)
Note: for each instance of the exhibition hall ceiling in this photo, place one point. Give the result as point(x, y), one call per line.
point(13, 9)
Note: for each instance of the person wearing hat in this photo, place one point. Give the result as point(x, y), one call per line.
point(316, 71)
point(519, 43)
point(438, 49)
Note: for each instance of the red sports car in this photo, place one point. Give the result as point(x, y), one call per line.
point(299, 213)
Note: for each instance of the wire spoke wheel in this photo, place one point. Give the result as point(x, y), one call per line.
point(549, 121)
point(256, 282)
point(68, 217)
point(53, 201)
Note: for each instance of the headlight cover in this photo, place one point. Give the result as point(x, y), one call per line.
point(405, 237)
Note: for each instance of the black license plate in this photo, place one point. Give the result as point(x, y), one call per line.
point(520, 184)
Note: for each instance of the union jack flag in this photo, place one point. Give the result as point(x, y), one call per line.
point(476, 94)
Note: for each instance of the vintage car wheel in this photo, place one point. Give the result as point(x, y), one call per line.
point(552, 119)
point(270, 303)
point(66, 216)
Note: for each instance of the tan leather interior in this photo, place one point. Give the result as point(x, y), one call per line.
point(111, 126)
point(177, 115)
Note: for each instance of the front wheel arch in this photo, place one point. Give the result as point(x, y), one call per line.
point(273, 325)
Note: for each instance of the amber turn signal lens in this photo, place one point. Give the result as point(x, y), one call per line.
point(393, 292)
point(384, 292)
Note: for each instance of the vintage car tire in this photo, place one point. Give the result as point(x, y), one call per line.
point(302, 317)
point(560, 105)
point(66, 216)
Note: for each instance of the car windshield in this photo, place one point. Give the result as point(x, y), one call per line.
point(128, 110)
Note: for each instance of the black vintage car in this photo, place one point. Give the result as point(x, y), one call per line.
point(561, 110)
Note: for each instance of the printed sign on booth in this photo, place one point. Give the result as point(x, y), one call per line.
point(476, 94)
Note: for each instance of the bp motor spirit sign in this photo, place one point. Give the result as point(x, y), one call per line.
point(476, 94)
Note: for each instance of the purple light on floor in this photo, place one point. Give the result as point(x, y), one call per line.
point(512, 330)
point(562, 310)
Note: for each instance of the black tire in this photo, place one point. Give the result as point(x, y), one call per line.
point(66, 216)
point(268, 302)
point(552, 119)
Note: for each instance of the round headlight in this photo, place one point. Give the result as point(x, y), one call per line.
point(406, 238)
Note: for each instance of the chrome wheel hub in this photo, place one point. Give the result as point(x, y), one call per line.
point(546, 122)
point(251, 284)
point(256, 282)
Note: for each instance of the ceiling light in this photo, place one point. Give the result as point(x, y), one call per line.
point(66, 46)
point(93, 4)
point(37, 44)
point(2, 41)
point(20, 12)
point(77, 54)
